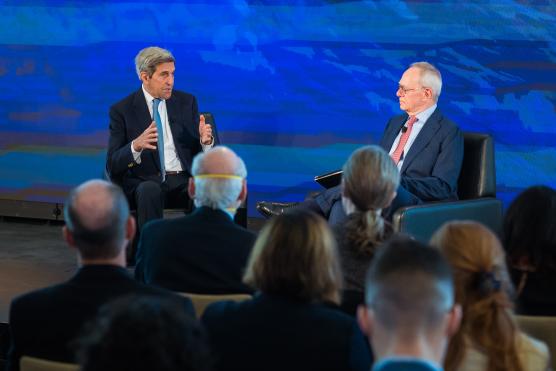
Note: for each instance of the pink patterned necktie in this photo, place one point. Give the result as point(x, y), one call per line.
point(403, 140)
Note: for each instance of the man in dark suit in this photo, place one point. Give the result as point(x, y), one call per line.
point(204, 252)
point(154, 134)
point(425, 145)
point(409, 313)
point(43, 323)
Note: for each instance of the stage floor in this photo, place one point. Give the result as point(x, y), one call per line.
point(33, 255)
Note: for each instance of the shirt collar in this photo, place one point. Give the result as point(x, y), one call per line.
point(423, 116)
point(394, 358)
point(149, 98)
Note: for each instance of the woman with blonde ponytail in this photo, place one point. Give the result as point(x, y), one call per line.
point(369, 182)
point(489, 338)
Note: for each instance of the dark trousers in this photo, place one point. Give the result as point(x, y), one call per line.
point(152, 197)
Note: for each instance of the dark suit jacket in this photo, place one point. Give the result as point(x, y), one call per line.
point(274, 333)
point(44, 322)
point(204, 252)
point(429, 172)
point(431, 168)
point(404, 365)
point(130, 117)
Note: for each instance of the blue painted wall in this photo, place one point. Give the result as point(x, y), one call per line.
point(295, 86)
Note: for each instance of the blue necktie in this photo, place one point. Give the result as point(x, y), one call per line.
point(160, 143)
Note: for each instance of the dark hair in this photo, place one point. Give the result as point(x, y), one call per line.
point(137, 333)
point(295, 256)
point(105, 239)
point(529, 229)
point(409, 285)
point(369, 179)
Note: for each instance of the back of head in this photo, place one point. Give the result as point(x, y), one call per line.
point(529, 235)
point(409, 288)
point(483, 288)
point(219, 178)
point(295, 257)
point(137, 333)
point(96, 214)
point(370, 179)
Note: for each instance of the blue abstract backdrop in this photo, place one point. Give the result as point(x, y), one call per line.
point(295, 86)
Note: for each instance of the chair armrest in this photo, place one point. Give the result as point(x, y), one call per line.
point(422, 221)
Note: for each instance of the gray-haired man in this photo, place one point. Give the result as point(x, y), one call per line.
point(155, 117)
point(204, 252)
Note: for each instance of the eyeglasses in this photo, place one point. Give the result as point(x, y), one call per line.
point(403, 91)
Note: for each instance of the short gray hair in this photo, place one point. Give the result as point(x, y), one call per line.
point(217, 193)
point(430, 77)
point(147, 59)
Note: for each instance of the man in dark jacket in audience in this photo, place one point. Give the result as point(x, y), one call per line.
point(410, 313)
point(205, 252)
point(45, 322)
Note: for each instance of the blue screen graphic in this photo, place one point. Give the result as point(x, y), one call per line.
point(294, 86)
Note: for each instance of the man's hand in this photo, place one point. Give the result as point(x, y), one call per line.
point(147, 139)
point(205, 131)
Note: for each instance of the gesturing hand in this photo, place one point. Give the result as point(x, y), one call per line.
point(147, 139)
point(205, 131)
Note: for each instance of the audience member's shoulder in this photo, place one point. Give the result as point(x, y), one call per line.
point(533, 353)
point(157, 224)
point(35, 297)
point(224, 308)
point(162, 292)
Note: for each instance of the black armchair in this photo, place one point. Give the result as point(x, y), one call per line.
point(476, 191)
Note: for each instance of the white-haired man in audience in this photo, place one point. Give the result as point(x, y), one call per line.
point(204, 252)
point(410, 313)
point(45, 322)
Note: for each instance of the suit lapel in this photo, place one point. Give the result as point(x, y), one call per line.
point(144, 119)
point(425, 135)
point(392, 132)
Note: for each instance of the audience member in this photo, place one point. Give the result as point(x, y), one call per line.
point(529, 236)
point(369, 183)
point(293, 323)
point(410, 312)
point(98, 227)
point(204, 252)
point(488, 338)
point(143, 333)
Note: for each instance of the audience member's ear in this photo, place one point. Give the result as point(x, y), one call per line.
point(68, 237)
point(365, 319)
point(131, 228)
point(454, 320)
point(243, 194)
point(191, 188)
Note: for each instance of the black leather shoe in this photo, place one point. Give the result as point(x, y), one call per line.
point(268, 208)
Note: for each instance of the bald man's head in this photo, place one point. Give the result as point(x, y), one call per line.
point(96, 213)
point(219, 178)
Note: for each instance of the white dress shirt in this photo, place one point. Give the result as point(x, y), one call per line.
point(171, 159)
point(422, 118)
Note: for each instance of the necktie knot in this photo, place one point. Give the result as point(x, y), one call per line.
point(156, 102)
point(412, 120)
